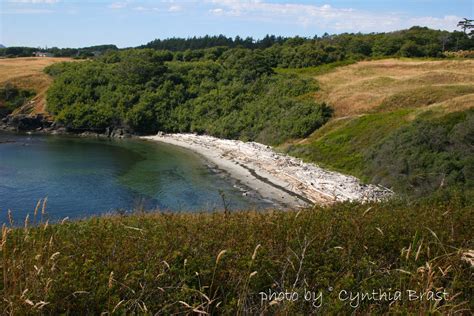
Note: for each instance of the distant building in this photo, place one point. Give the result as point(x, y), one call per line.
point(42, 54)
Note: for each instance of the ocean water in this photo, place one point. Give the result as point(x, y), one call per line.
point(81, 177)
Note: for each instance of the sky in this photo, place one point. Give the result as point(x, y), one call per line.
point(127, 23)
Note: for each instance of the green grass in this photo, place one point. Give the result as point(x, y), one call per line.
point(219, 263)
point(409, 151)
point(315, 71)
point(340, 145)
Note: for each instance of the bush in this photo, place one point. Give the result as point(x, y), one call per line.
point(431, 154)
point(237, 96)
point(11, 98)
point(410, 49)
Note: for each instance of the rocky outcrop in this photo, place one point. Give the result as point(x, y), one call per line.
point(25, 122)
point(118, 132)
point(43, 124)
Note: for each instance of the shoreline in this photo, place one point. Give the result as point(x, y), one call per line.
point(281, 178)
point(286, 181)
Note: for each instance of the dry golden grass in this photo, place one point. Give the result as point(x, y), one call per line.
point(27, 73)
point(365, 86)
point(456, 104)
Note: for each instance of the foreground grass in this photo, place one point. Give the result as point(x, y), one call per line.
point(219, 263)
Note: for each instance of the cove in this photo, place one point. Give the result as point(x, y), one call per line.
point(82, 177)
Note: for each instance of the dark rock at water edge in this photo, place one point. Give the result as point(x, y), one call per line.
point(24, 122)
point(41, 124)
point(118, 132)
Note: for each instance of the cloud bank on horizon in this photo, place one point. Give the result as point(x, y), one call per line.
point(134, 22)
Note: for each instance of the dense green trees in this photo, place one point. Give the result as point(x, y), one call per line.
point(236, 96)
point(182, 44)
point(301, 52)
point(85, 52)
point(291, 52)
point(17, 51)
point(305, 52)
point(348, 43)
point(431, 153)
point(12, 98)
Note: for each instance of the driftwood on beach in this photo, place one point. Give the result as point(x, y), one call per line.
point(308, 181)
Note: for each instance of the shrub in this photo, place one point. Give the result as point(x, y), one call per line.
point(238, 96)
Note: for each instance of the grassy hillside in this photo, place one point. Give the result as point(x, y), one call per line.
point(219, 263)
point(407, 124)
point(390, 84)
point(27, 74)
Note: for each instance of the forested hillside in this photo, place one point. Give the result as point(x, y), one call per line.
point(297, 52)
point(236, 96)
point(221, 86)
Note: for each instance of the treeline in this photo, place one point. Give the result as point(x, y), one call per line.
point(182, 44)
point(292, 51)
point(238, 95)
point(85, 52)
point(420, 35)
point(304, 52)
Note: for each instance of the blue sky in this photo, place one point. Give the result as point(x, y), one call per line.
point(75, 23)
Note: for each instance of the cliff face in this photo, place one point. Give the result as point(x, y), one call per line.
point(25, 122)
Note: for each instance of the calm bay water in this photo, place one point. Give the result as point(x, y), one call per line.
point(85, 176)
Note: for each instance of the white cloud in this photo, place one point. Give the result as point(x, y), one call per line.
point(140, 8)
point(28, 7)
point(117, 5)
point(34, 1)
point(27, 11)
point(448, 22)
point(146, 9)
point(144, 6)
point(218, 11)
point(174, 8)
point(324, 16)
